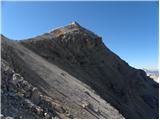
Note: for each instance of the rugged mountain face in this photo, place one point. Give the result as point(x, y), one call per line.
point(68, 97)
point(72, 65)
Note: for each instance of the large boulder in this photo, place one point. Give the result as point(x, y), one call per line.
point(35, 96)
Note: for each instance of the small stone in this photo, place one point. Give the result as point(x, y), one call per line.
point(35, 97)
point(27, 94)
point(96, 110)
point(17, 77)
point(39, 110)
point(63, 74)
point(46, 115)
point(69, 115)
point(28, 104)
point(20, 94)
point(22, 83)
point(85, 105)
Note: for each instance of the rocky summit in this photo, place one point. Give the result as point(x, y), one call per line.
point(68, 72)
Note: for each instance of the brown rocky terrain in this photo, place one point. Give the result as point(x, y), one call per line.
point(71, 68)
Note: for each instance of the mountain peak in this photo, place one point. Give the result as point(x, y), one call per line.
point(74, 23)
point(73, 62)
point(68, 28)
point(71, 27)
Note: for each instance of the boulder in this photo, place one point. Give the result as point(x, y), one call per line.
point(35, 96)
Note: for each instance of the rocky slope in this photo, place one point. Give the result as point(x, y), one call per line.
point(73, 66)
point(21, 100)
point(75, 99)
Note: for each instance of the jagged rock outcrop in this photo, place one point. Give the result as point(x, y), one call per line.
point(72, 65)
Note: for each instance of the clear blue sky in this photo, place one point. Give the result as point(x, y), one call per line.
point(130, 29)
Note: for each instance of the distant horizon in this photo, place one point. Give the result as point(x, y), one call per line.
point(129, 29)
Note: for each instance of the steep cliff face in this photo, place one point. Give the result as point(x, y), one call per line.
point(83, 57)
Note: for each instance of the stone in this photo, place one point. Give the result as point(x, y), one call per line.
point(39, 111)
point(28, 104)
point(27, 94)
point(16, 80)
point(47, 116)
point(85, 104)
point(17, 77)
point(63, 74)
point(35, 96)
point(19, 94)
point(96, 110)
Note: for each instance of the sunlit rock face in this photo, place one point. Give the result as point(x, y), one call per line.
point(72, 65)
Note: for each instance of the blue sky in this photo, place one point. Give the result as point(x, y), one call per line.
point(130, 29)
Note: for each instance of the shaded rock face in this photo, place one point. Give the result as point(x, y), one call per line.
point(82, 55)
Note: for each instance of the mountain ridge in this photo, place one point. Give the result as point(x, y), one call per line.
point(83, 56)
